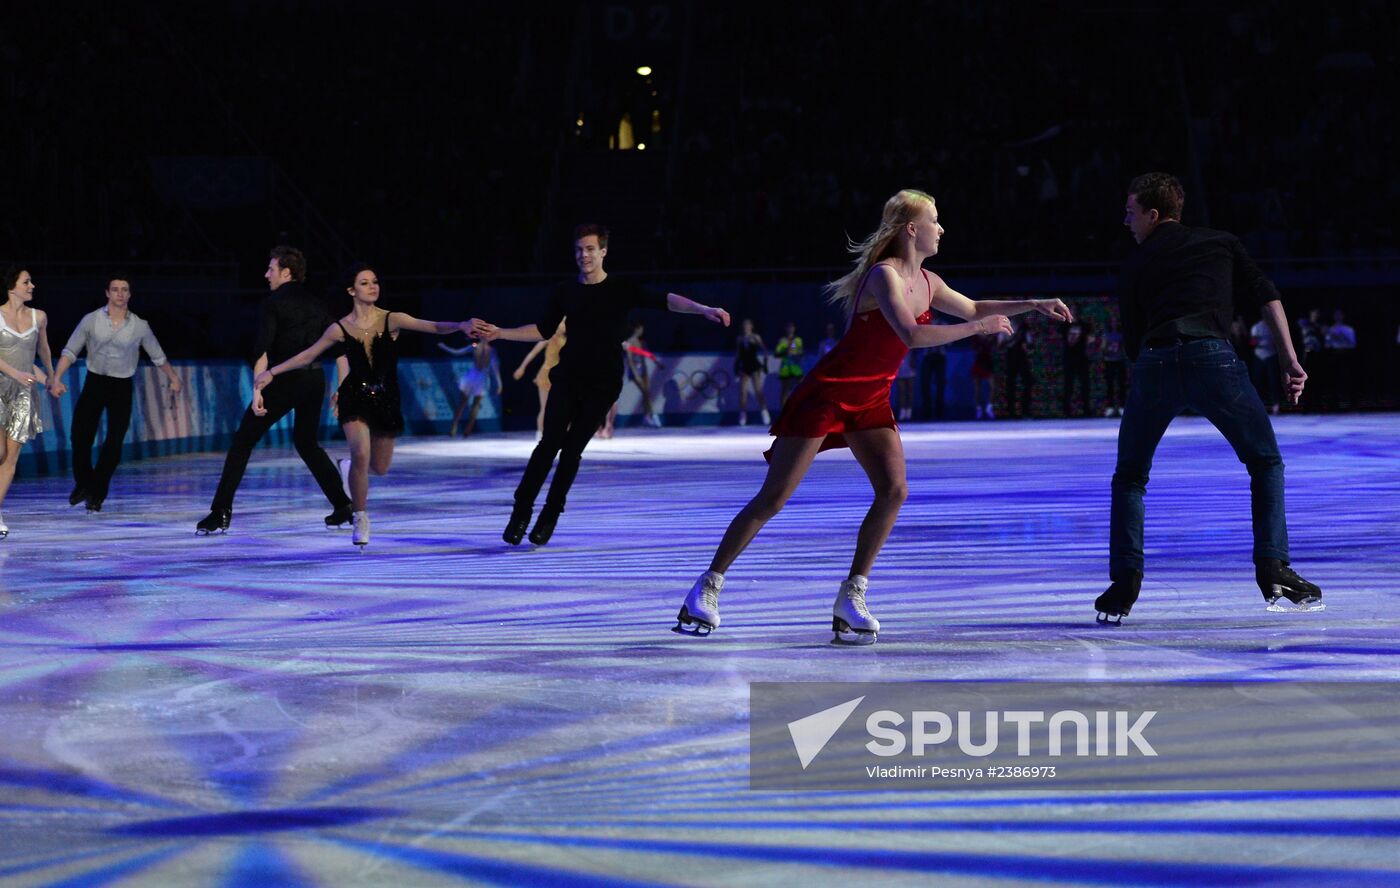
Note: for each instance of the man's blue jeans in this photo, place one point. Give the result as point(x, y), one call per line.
point(1207, 377)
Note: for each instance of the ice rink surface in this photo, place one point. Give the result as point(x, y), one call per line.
point(271, 707)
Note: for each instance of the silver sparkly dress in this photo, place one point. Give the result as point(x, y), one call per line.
point(19, 412)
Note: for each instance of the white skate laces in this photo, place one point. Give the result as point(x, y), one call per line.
point(699, 615)
point(851, 622)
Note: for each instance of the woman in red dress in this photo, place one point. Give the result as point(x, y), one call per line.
point(845, 400)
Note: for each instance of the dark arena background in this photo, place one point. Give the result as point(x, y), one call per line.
point(276, 706)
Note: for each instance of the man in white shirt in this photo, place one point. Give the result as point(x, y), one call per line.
point(1266, 369)
point(113, 337)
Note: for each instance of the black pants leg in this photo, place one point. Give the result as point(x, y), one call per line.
point(571, 416)
point(117, 395)
point(302, 391)
point(86, 414)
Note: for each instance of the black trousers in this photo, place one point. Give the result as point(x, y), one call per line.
point(932, 371)
point(571, 416)
point(1018, 377)
point(1115, 375)
point(301, 391)
point(100, 393)
point(1077, 372)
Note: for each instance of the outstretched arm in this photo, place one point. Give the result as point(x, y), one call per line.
point(682, 305)
point(302, 358)
point(457, 352)
point(888, 288)
point(529, 357)
point(400, 321)
point(950, 301)
point(1293, 373)
point(490, 332)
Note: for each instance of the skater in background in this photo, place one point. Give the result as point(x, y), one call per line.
point(984, 374)
point(828, 341)
point(1019, 378)
point(639, 362)
point(1078, 339)
point(550, 348)
point(904, 384)
point(933, 381)
point(24, 337)
point(113, 337)
point(845, 401)
point(368, 398)
point(1340, 345)
point(750, 362)
point(1177, 293)
point(1266, 363)
point(291, 320)
point(482, 377)
point(789, 351)
point(1115, 368)
point(587, 379)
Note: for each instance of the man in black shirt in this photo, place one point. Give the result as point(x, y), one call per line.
point(1178, 292)
point(588, 377)
point(292, 320)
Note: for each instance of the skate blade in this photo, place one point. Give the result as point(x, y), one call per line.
point(853, 638)
point(1104, 619)
point(688, 625)
point(843, 634)
point(204, 533)
point(1284, 606)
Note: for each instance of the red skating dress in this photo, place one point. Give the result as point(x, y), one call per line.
point(849, 388)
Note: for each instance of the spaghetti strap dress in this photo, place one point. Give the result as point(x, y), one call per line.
point(849, 388)
point(370, 393)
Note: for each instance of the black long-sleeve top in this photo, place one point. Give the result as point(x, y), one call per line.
point(1187, 282)
point(292, 320)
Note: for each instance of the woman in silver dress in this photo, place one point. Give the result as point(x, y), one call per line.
point(23, 337)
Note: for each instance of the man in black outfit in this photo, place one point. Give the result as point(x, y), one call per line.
point(292, 320)
point(1178, 291)
point(588, 377)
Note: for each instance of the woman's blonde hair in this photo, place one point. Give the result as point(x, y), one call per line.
point(900, 210)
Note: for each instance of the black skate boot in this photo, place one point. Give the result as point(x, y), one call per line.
point(1117, 601)
point(94, 503)
point(77, 496)
point(1284, 590)
point(341, 516)
point(544, 525)
point(216, 521)
point(516, 526)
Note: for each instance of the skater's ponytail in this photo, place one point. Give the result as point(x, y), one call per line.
point(900, 210)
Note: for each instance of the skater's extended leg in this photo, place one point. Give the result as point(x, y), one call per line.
point(881, 454)
point(9, 459)
point(118, 402)
point(1220, 391)
point(357, 435)
point(381, 453)
point(1152, 404)
point(471, 420)
point(791, 458)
